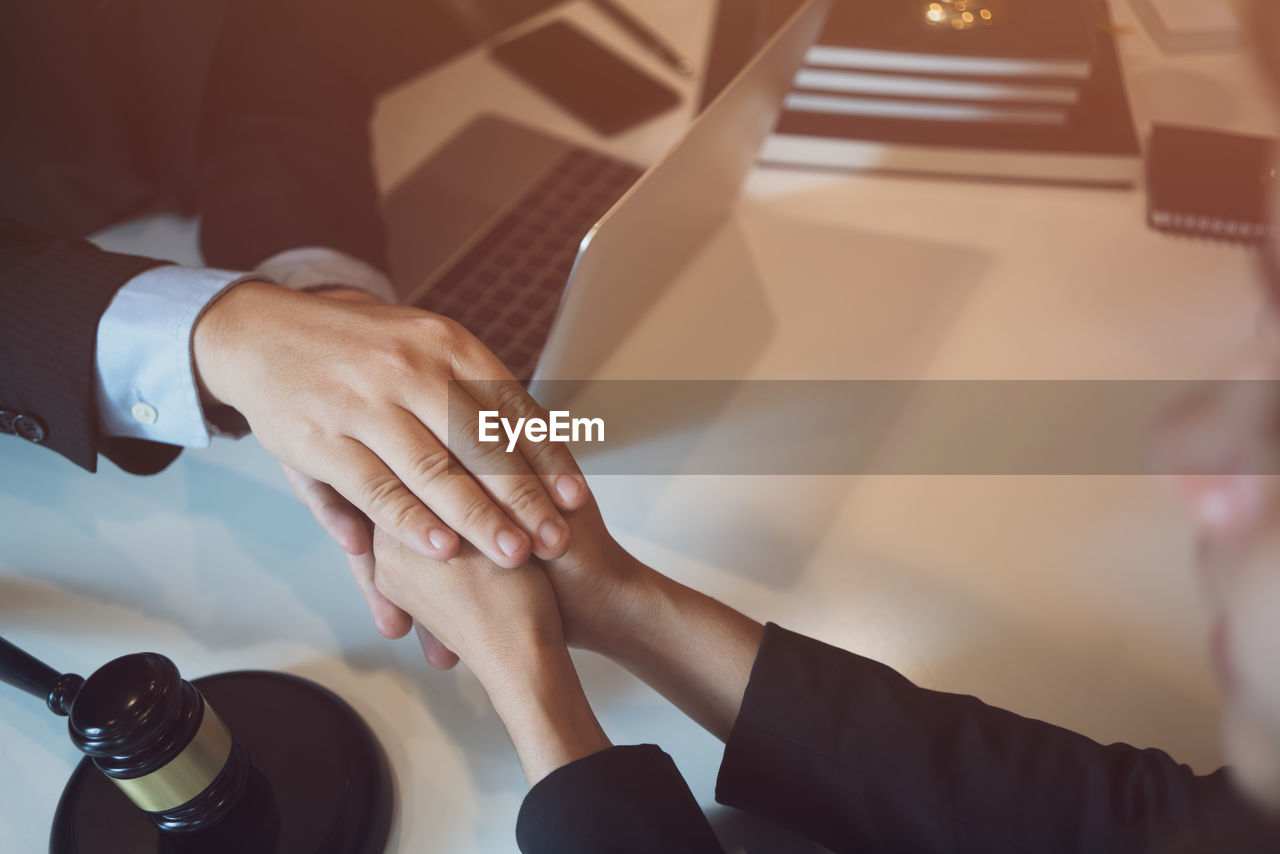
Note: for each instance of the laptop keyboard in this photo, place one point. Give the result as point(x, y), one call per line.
point(505, 290)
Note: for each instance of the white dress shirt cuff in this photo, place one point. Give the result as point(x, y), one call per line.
point(146, 384)
point(314, 267)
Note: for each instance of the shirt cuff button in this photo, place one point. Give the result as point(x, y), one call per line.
point(144, 413)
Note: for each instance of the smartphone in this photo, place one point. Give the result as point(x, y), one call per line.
point(585, 78)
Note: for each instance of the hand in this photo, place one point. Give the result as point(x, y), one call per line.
point(355, 395)
point(693, 650)
point(354, 533)
point(603, 592)
point(494, 619)
point(506, 627)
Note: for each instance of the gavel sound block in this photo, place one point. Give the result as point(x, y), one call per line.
point(250, 762)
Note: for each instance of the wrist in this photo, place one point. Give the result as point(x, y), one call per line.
point(540, 700)
point(604, 594)
point(627, 613)
point(526, 672)
point(215, 335)
point(511, 664)
point(694, 650)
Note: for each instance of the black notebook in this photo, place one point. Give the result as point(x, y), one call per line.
point(1210, 183)
point(1092, 140)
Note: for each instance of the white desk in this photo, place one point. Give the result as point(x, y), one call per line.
point(1062, 598)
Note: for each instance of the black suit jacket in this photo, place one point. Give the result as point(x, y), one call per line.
point(252, 113)
point(853, 755)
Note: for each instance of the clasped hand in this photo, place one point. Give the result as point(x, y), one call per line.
point(492, 617)
point(352, 396)
point(513, 629)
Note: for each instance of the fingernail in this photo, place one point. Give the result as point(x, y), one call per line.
point(439, 539)
point(552, 533)
point(510, 542)
point(569, 488)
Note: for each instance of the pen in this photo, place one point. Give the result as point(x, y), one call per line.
point(646, 36)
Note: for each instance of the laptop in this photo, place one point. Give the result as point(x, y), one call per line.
point(549, 252)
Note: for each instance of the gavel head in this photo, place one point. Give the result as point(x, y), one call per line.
point(153, 734)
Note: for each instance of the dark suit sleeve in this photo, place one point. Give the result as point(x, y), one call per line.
point(52, 293)
point(285, 136)
point(623, 800)
point(853, 755)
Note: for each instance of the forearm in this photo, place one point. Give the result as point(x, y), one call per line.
point(694, 650)
point(541, 703)
point(852, 754)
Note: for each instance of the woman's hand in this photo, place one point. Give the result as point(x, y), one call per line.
point(695, 651)
point(505, 626)
point(489, 616)
point(603, 592)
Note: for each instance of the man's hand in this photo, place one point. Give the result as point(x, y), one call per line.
point(356, 395)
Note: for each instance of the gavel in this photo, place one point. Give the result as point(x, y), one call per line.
point(148, 729)
point(160, 743)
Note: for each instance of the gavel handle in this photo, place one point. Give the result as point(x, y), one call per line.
point(24, 671)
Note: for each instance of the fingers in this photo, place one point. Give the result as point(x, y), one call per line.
point(391, 621)
point(422, 465)
point(352, 531)
point(551, 461)
point(507, 479)
point(437, 654)
point(358, 473)
point(488, 384)
point(376, 430)
point(339, 518)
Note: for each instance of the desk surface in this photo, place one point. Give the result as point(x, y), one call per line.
point(1064, 598)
